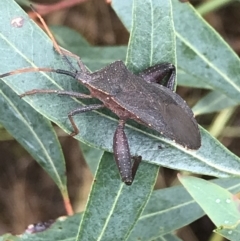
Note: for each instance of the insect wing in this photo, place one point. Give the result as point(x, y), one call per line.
point(162, 110)
point(150, 104)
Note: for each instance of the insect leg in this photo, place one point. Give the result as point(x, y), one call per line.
point(79, 61)
point(163, 74)
point(59, 92)
point(79, 111)
point(122, 155)
point(137, 160)
point(82, 66)
point(72, 94)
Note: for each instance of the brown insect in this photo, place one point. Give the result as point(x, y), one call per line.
point(146, 98)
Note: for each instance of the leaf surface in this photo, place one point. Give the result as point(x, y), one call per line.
point(212, 102)
point(96, 128)
point(220, 205)
point(157, 219)
point(114, 218)
point(171, 208)
point(34, 133)
point(113, 208)
point(195, 55)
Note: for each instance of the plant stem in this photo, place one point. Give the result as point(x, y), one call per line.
point(67, 203)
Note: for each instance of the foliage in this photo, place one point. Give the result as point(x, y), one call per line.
point(161, 31)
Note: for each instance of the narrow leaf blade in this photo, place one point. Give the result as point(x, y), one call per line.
point(212, 102)
point(221, 206)
point(113, 207)
point(34, 133)
point(153, 41)
point(194, 52)
point(171, 208)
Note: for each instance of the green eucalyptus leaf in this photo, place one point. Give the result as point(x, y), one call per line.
point(92, 156)
point(230, 232)
point(187, 79)
point(68, 38)
point(64, 228)
point(98, 57)
point(34, 133)
point(115, 217)
point(153, 40)
point(93, 57)
point(220, 205)
point(28, 46)
point(203, 160)
point(114, 207)
point(172, 208)
point(212, 102)
point(158, 217)
point(142, 140)
point(195, 54)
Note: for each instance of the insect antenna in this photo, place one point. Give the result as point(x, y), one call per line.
point(60, 50)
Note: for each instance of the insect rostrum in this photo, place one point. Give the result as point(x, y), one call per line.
point(146, 98)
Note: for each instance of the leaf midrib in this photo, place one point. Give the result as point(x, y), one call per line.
point(208, 62)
